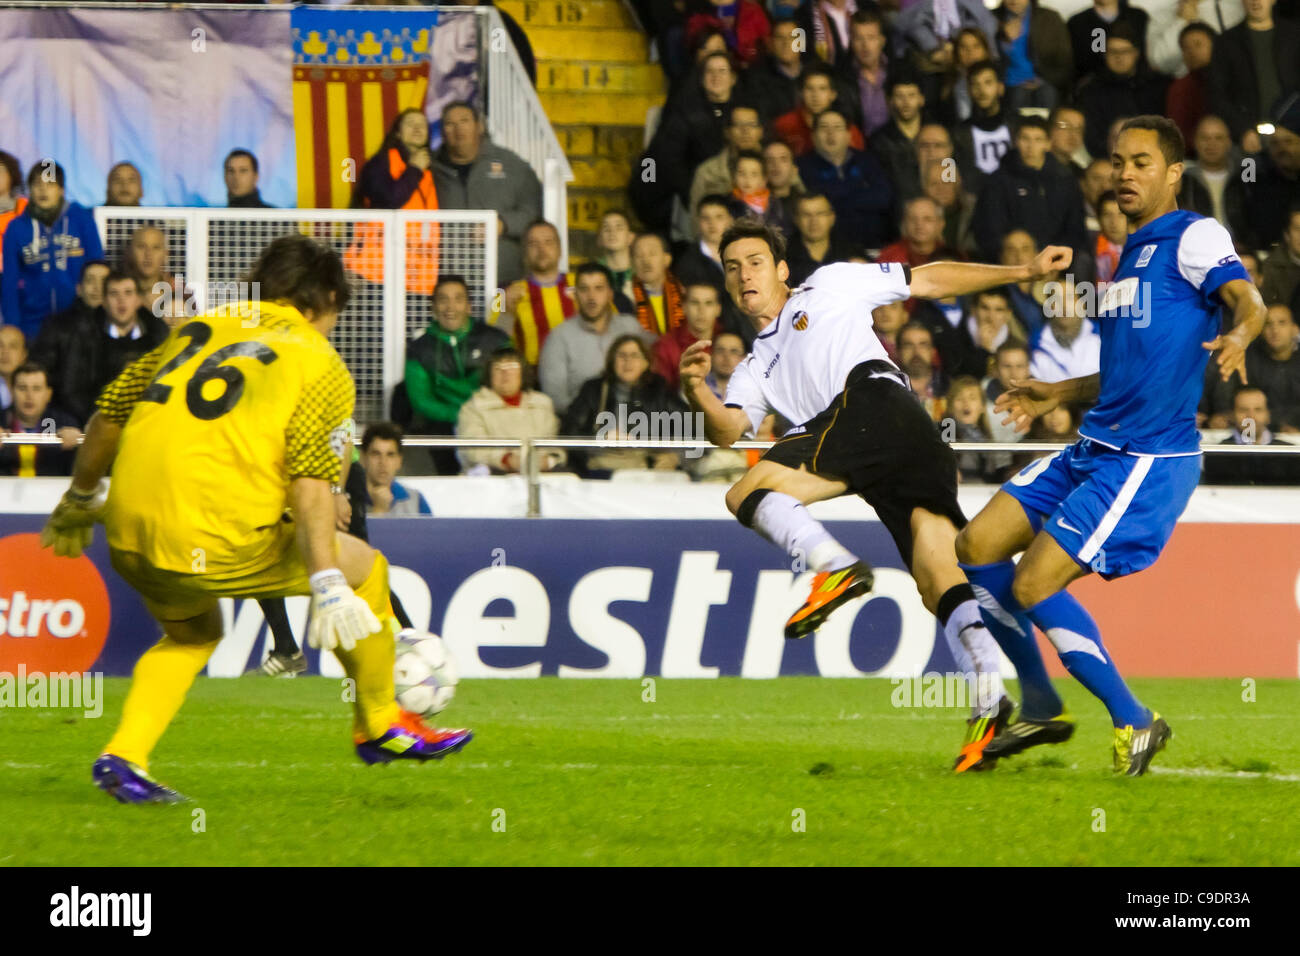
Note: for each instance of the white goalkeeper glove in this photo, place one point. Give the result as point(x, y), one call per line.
point(71, 526)
point(338, 617)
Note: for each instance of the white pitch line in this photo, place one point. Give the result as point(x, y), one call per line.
point(1225, 774)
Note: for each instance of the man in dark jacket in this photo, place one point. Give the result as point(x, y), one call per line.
point(241, 172)
point(855, 183)
point(444, 366)
point(1123, 86)
point(1032, 191)
point(31, 413)
point(473, 174)
point(1087, 26)
point(45, 250)
point(1254, 64)
point(1258, 210)
point(61, 346)
point(127, 330)
point(772, 82)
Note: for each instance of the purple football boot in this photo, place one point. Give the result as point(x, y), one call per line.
point(130, 784)
point(412, 739)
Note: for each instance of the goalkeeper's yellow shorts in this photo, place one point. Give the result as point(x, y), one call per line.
point(180, 596)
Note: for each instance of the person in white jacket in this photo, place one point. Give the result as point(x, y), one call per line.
point(1163, 51)
point(503, 408)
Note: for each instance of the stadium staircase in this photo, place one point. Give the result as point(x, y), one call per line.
point(596, 82)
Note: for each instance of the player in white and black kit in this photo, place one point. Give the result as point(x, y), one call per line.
point(817, 361)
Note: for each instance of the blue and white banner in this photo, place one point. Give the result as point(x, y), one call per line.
point(172, 91)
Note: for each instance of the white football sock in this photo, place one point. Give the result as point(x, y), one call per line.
point(976, 654)
point(785, 522)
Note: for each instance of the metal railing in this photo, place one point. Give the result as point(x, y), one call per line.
point(530, 466)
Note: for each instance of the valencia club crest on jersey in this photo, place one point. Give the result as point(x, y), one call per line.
point(800, 321)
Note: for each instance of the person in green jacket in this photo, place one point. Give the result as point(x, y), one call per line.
point(444, 366)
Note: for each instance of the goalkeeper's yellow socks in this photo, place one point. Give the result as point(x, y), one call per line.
point(162, 678)
point(370, 663)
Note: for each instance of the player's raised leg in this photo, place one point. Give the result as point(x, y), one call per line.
point(771, 499)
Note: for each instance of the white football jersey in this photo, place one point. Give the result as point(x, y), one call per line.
point(801, 361)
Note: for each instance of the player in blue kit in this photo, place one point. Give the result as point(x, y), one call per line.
point(1109, 502)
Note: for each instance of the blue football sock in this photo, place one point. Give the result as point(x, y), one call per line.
point(1074, 633)
point(1015, 634)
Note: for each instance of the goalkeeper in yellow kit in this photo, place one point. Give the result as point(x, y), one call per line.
point(224, 443)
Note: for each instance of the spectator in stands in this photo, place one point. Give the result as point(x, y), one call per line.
point(145, 260)
point(1032, 191)
point(1250, 426)
point(1188, 97)
point(1250, 262)
point(701, 261)
point(1036, 46)
point(814, 243)
point(125, 187)
point(31, 413)
point(1281, 270)
point(944, 185)
point(894, 144)
point(772, 82)
point(990, 324)
point(743, 24)
point(1255, 65)
point(922, 235)
point(1214, 163)
point(67, 346)
point(1010, 368)
point(826, 25)
point(1111, 238)
point(817, 93)
point(982, 140)
point(1087, 27)
point(867, 68)
point(886, 321)
point(13, 353)
point(45, 250)
point(626, 387)
point(658, 296)
point(857, 186)
point(614, 248)
point(241, 171)
point(577, 348)
point(1096, 179)
point(1019, 248)
point(917, 357)
point(381, 457)
point(11, 203)
point(702, 312)
point(692, 128)
point(722, 464)
point(444, 365)
point(1061, 424)
point(783, 184)
point(399, 175)
point(749, 193)
point(929, 30)
point(1067, 126)
point(1258, 210)
point(933, 145)
point(536, 304)
point(1272, 364)
point(1123, 86)
point(471, 173)
point(970, 47)
point(126, 329)
point(1166, 52)
point(967, 420)
point(744, 134)
point(503, 408)
point(1068, 346)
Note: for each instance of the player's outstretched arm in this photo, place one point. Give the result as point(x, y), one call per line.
point(1030, 399)
point(723, 426)
point(941, 280)
point(1248, 314)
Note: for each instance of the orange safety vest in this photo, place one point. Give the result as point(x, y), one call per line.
point(365, 256)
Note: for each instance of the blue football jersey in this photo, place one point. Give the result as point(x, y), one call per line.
point(1155, 315)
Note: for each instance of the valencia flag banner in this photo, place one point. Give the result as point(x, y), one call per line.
point(354, 70)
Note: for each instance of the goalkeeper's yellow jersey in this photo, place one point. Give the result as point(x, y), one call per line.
point(217, 421)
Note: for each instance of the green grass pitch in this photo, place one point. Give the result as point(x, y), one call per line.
point(793, 771)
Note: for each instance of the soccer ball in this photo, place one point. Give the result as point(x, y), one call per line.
point(424, 673)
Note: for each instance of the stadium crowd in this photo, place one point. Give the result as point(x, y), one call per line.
point(912, 132)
